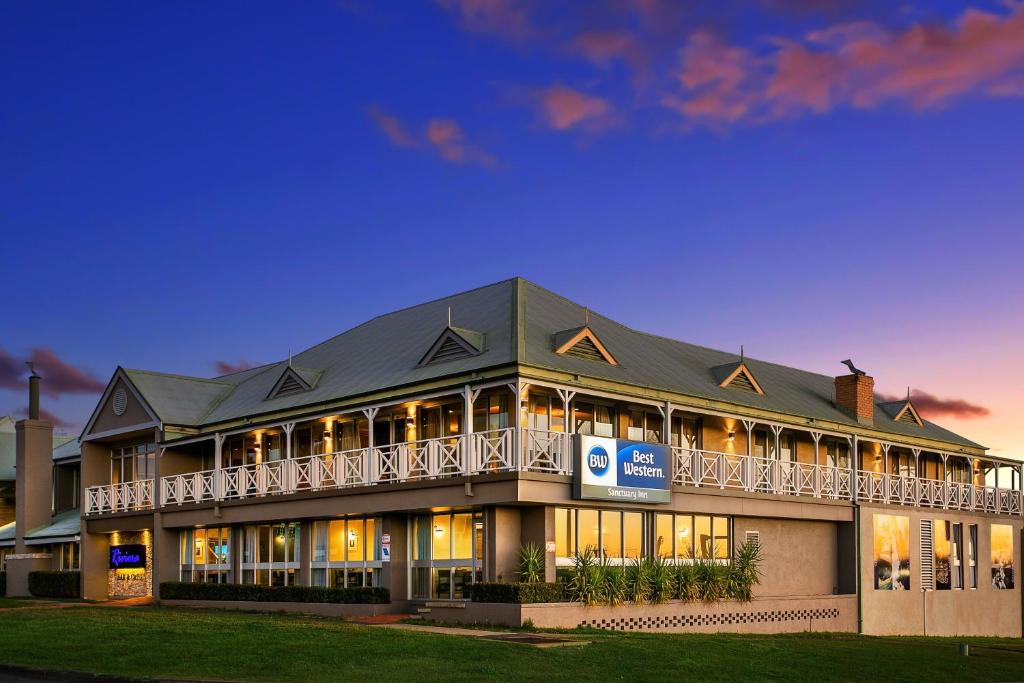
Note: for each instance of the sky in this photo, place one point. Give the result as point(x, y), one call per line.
point(191, 186)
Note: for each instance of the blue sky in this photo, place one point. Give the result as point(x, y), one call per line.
point(187, 183)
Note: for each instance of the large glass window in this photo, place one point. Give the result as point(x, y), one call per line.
point(270, 556)
point(958, 556)
point(206, 555)
point(490, 412)
point(972, 555)
point(610, 534)
point(546, 413)
point(685, 432)
point(65, 488)
point(687, 537)
point(1002, 556)
point(448, 554)
point(132, 463)
point(942, 543)
point(593, 419)
point(346, 552)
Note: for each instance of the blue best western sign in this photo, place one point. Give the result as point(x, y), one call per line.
point(617, 469)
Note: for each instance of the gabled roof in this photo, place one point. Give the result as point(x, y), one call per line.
point(454, 343)
point(903, 412)
point(522, 324)
point(583, 342)
point(66, 524)
point(7, 533)
point(736, 376)
point(294, 380)
point(68, 450)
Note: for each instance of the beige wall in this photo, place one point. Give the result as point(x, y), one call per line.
point(134, 414)
point(981, 611)
point(799, 557)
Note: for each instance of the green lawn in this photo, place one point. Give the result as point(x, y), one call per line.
point(164, 642)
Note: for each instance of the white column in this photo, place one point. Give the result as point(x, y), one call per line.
point(749, 469)
point(816, 436)
point(369, 466)
point(854, 466)
point(469, 460)
point(289, 466)
point(218, 466)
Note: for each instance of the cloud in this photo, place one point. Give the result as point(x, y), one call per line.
point(392, 128)
point(444, 136)
point(12, 371)
point(224, 367)
point(45, 414)
point(854, 64)
point(60, 378)
point(563, 108)
point(508, 19)
point(931, 406)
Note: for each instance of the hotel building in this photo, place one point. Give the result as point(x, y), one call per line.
point(420, 450)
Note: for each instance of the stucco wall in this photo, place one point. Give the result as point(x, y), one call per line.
point(798, 557)
point(984, 611)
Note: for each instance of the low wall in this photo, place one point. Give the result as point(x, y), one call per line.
point(318, 608)
point(834, 613)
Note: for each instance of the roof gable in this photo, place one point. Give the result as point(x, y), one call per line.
point(294, 380)
point(582, 342)
point(737, 376)
point(454, 343)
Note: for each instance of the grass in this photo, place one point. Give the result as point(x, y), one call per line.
point(11, 603)
point(205, 644)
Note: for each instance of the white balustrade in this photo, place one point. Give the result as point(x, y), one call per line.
point(128, 496)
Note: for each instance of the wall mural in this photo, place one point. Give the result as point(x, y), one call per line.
point(892, 552)
point(1002, 556)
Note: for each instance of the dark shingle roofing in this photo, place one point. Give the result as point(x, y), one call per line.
point(516, 321)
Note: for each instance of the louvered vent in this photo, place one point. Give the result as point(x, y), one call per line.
point(927, 556)
point(908, 417)
point(585, 349)
point(290, 385)
point(449, 350)
point(742, 382)
point(753, 538)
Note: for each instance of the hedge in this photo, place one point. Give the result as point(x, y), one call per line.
point(519, 593)
point(3, 584)
point(54, 584)
point(176, 590)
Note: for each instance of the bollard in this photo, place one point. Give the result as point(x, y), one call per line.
point(965, 650)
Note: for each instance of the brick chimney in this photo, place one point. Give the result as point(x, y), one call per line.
point(855, 395)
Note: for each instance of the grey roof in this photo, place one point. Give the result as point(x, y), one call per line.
point(7, 533)
point(67, 523)
point(517, 322)
point(68, 450)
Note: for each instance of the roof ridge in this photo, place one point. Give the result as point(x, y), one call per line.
point(173, 375)
point(239, 372)
point(234, 387)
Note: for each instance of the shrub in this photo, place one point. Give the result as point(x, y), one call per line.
point(585, 578)
point(612, 586)
point(363, 595)
point(3, 584)
point(639, 580)
point(661, 580)
point(686, 582)
point(531, 563)
point(54, 584)
point(517, 593)
point(744, 572)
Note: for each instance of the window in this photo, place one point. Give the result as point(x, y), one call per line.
point(644, 427)
point(351, 435)
point(546, 413)
point(688, 537)
point(972, 555)
point(68, 557)
point(448, 554)
point(132, 463)
point(943, 565)
point(837, 454)
point(490, 412)
point(1002, 556)
point(206, 555)
point(346, 552)
point(685, 432)
point(614, 535)
point(594, 419)
point(958, 556)
point(65, 488)
point(3, 558)
point(270, 556)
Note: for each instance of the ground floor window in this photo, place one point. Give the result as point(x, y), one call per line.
point(1002, 556)
point(346, 552)
point(447, 554)
point(68, 557)
point(613, 535)
point(688, 537)
point(3, 558)
point(270, 556)
point(206, 555)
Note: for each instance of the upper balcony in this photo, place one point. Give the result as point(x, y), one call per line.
point(533, 450)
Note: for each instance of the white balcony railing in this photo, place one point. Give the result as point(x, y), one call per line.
point(540, 451)
point(126, 497)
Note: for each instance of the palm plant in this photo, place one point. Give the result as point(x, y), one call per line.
point(613, 585)
point(686, 582)
point(531, 563)
point(710, 582)
point(661, 579)
point(744, 572)
point(638, 579)
point(584, 579)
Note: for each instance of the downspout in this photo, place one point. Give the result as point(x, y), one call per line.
point(859, 586)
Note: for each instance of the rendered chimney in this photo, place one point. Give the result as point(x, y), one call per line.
point(855, 394)
point(33, 468)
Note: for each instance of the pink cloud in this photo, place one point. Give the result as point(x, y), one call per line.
point(45, 414)
point(931, 406)
point(224, 367)
point(856, 64)
point(443, 136)
point(509, 19)
point(392, 128)
point(563, 108)
point(59, 378)
point(12, 371)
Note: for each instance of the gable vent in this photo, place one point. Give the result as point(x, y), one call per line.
point(586, 349)
point(449, 350)
point(742, 382)
point(290, 385)
point(753, 538)
point(927, 556)
point(908, 418)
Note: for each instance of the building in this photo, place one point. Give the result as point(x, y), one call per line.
point(51, 505)
point(421, 449)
